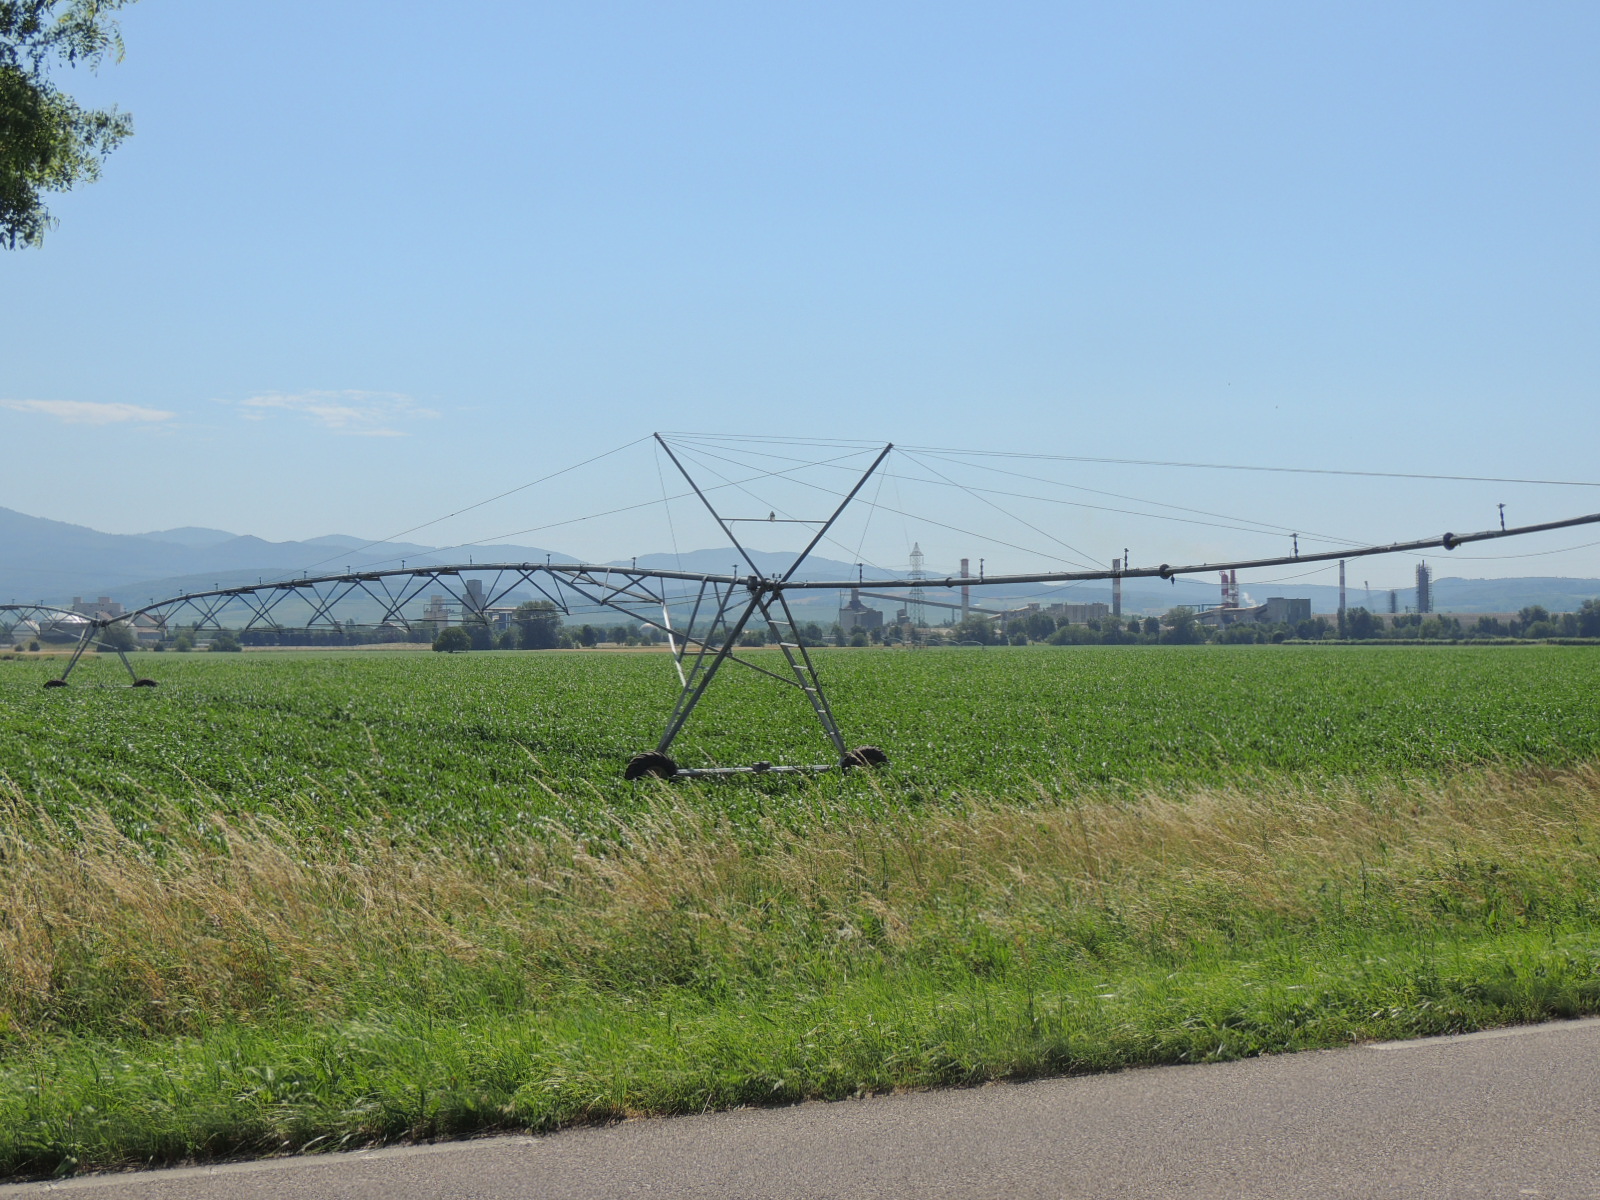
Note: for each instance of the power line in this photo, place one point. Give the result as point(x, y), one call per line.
point(876, 504)
point(610, 512)
point(1534, 554)
point(945, 481)
point(1240, 525)
point(700, 453)
point(1150, 462)
point(1083, 557)
point(1153, 462)
point(479, 504)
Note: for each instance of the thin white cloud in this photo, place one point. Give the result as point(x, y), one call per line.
point(350, 412)
point(86, 412)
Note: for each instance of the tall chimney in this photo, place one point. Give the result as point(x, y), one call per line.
point(1116, 587)
point(966, 592)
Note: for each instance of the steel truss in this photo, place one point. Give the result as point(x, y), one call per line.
point(730, 605)
point(91, 631)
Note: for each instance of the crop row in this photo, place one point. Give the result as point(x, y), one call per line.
point(427, 739)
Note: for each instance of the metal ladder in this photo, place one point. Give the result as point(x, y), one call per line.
point(794, 650)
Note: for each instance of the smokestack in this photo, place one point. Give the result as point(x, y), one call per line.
point(966, 592)
point(1116, 587)
point(1341, 597)
point(1233, 586)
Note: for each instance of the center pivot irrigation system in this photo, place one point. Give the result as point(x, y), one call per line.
point(731, 603)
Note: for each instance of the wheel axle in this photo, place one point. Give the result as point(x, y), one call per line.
point(652, 764)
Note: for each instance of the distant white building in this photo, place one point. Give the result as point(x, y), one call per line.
point(103, 607)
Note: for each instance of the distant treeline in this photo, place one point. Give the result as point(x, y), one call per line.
point(539, 625)
point(1182, 626)
point(1532, 623)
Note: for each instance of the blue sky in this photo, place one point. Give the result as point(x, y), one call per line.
point(364, 263)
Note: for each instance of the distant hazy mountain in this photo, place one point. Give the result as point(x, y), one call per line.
point(341, 541)
point(192, 536)
point(1509, 595)
point(52, 561)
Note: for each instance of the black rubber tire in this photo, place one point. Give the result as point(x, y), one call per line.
point(55, 683)
point(864, 756)
point(145, 683)
point(650, 765)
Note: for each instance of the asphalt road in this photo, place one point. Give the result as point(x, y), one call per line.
point(1508, 1113)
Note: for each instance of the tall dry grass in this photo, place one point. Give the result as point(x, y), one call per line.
point(225, 919)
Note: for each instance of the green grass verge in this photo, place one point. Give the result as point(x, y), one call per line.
point(241, 986)
point(246, 1090)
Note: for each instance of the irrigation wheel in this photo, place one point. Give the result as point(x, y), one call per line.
point(864, 756)
point(651, 764)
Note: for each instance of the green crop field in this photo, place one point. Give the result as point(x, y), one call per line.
point(299, 901)
point(469, 739)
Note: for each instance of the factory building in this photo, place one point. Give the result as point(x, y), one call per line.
point(857, 615)
point(1222, 615)
point(1015, 614)
point(474, 606)
point(1079, 614)
point(1065, 614)
point(1278, 610)
point(1281, 610)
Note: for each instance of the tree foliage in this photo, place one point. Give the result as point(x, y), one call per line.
point(48, 142)
point(1181, 629)
point(117, 637)
point(452, 639)
point(1589, 618)
point(1359, 623)
point(538, 625)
